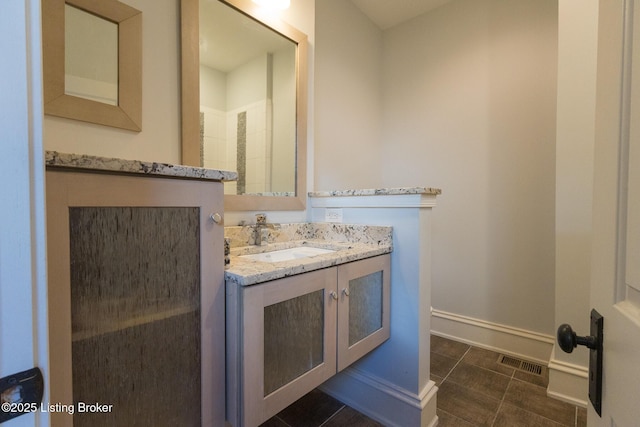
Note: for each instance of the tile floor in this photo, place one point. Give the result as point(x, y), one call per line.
point(474, 390)
point(319, 409)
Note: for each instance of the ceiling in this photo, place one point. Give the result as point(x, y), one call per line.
point(229, 39)
point(235, 38)
point(386, 13)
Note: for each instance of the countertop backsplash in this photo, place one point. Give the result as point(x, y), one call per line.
point(244, 235)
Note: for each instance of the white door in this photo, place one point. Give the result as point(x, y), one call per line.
point(615, 286)
point(23, 296)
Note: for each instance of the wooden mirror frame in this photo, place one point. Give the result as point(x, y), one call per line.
point(128, 113)
point(190, 33)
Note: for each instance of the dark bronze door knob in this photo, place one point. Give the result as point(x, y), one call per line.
point(568, 340)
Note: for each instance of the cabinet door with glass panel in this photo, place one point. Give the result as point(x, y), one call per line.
point(281, 343)
point(363, 312)
point(287, 336)
point(136, 308)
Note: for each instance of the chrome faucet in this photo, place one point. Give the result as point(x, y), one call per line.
point(261, 219)
point(260, 232)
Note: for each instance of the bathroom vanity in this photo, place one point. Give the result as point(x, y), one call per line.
point(300, 311)
point(136, 300)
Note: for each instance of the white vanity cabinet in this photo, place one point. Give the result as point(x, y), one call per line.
point(136, 298)
point(287, 336)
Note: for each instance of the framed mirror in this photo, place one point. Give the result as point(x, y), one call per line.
point(92, 62)
point(244, 80)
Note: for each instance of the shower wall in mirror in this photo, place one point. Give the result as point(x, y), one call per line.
point(247, 101)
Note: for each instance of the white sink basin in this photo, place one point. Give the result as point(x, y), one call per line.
point(287, 254)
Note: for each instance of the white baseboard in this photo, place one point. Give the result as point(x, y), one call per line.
point(383, 401)
point(568, 382)
point(504, 339)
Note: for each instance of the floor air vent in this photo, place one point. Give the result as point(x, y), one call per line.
point(521, 365)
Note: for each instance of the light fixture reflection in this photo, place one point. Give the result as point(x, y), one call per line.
point(273, 4)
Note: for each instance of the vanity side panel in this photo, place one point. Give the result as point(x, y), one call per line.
point(234, 359)
point(59, 296)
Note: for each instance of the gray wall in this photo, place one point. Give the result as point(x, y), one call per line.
point(467, 103)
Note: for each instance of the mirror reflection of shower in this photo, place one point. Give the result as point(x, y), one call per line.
point(247, 101)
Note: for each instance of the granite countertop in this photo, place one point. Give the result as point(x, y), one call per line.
point(350, 242)
point(377, 192)
point(55, 159)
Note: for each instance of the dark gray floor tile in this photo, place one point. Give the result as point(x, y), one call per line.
point(441, 365)
point(487, 359)
point(510, 416)
point(311, 410)
point(534, 399)
point(445, 419)
point(447, 347)
point(274, 422)
point(480, 380)
point(467, 404)
point(348, 416)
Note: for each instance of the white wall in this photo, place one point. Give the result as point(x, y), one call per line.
point(159, 139)
point(213, 88)
point(577, 57)
point(469, 106)
point(23, 270)
point(247, 83)
point(348, 98)
point(284, 128)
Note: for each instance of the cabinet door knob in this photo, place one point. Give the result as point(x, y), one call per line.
point(216, 217)
point(334, 295)
point(345, 292)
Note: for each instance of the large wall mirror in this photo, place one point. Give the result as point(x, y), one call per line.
point(92, 60)
point(244, 101)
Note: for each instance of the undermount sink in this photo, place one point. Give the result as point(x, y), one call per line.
point(287, 254)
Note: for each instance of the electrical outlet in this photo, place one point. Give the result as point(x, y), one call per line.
point(333, 215)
